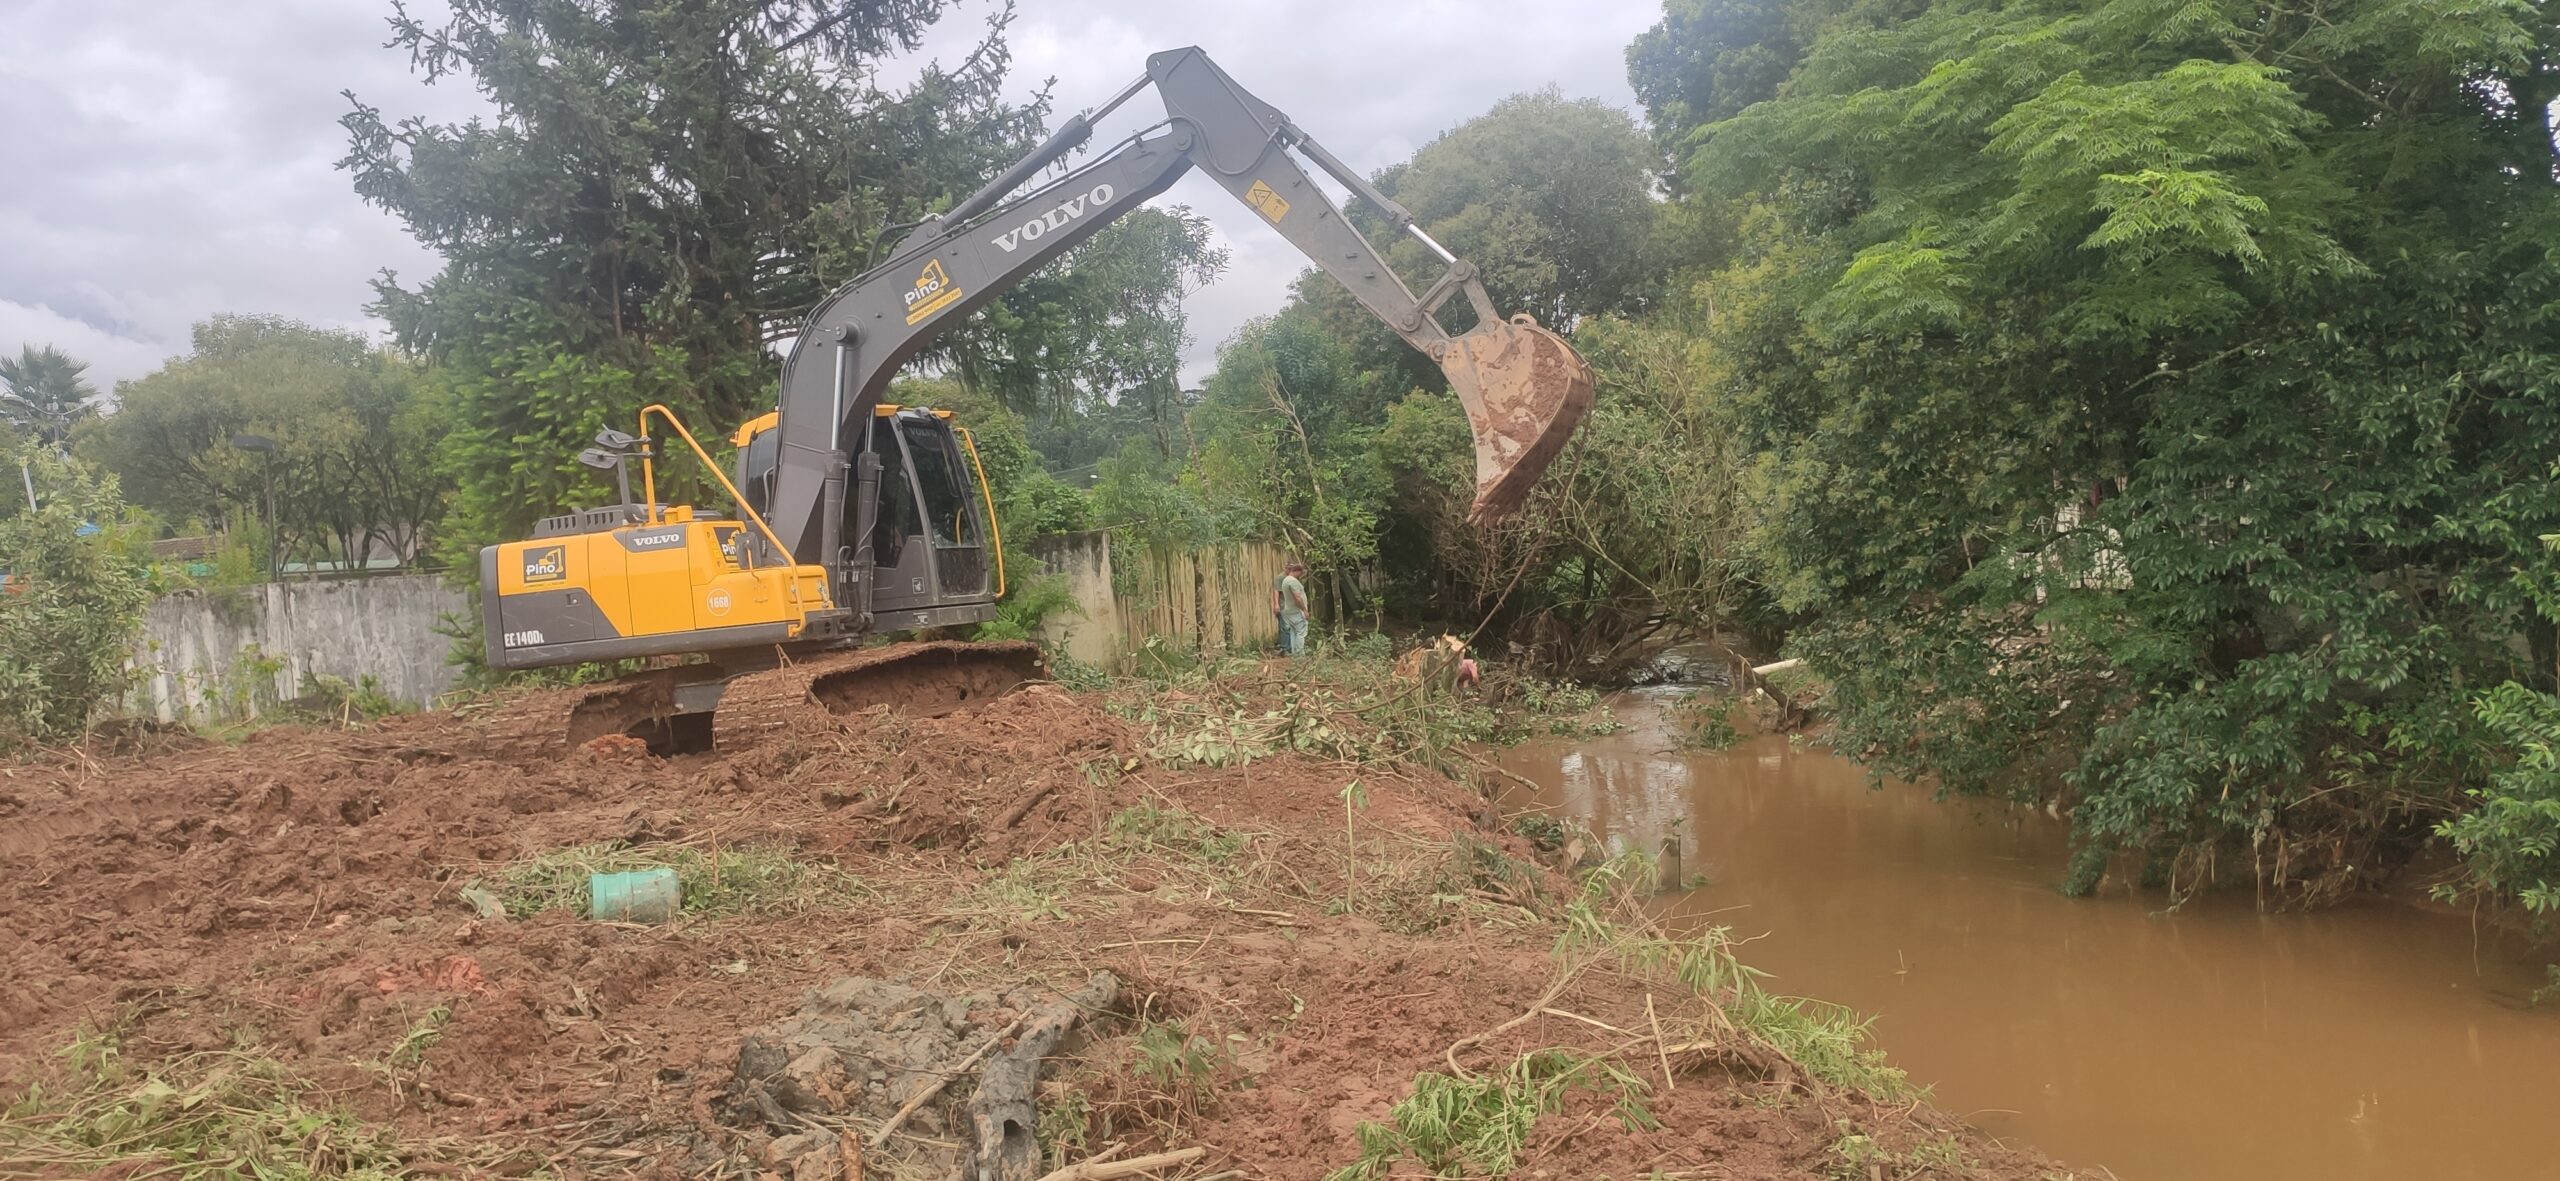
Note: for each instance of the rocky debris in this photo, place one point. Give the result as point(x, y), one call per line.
point(865, 1047)
point(857, 1046)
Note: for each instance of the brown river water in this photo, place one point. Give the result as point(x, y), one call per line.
point(2376, 1040)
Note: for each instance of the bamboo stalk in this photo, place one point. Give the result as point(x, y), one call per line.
point(1105, 1170)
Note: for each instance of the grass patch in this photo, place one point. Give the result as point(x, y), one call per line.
point(1166, 828)
point(1027, 890)
point(1181, 1066)
point(1856, 1156)
point(742, 880)
point(214, 1114)
point(1050, 886)
point(1344, 704)
point(1830, 1042)
point(1477, 1127)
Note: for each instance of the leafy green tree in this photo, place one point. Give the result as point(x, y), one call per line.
point(71, 599)
point(1285, 426)
point(1709, 59)
point(353, 473)
point(1103, 324)
point(666, 188)
point(1140, 495)
point(2150, 403)
point(1551, 198)
point(43, 395)
point(1633, 542)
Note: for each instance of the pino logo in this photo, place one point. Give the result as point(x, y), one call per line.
point(933, 292)
point(1056, 219)
point(547, 564)
point(1267, 201)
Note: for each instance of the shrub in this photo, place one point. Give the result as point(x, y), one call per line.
point(2511, 841)
point(71, 600)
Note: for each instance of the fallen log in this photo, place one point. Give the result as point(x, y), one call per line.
point(1004, 1114)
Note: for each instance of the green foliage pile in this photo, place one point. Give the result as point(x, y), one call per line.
point(2146, 405)
point(715, 881)
point(1344, 705)
point(72, 590)
point(354, 470)
point(1478, 1127)
point(208, 1114)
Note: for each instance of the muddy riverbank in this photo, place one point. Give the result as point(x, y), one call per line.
point(366, 952)
point(2375, 1040)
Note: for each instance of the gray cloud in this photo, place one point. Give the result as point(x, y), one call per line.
point(165, 162)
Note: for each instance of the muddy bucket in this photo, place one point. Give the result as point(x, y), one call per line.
point(1525, 390)
point(641, 896)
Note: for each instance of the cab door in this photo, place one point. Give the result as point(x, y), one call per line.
point(930, 542)
point(954, 518)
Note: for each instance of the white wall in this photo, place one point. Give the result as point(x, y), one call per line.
point(206, 654)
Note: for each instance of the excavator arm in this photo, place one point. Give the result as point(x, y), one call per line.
point(1524, 388)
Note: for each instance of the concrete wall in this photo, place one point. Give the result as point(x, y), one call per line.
point(218, 655)
point(207, 655)
point(1208, 599)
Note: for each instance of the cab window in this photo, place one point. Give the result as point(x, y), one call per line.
point(942, 478)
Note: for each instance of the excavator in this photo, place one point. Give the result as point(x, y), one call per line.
point(855, 517)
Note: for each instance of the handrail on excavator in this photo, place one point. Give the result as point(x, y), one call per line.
point(995, 528)
point(649, 481)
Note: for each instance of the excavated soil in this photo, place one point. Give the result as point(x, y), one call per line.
point(302, 892)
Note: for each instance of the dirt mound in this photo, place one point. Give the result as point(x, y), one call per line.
point(1291, 964)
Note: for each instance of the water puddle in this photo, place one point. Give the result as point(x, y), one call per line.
point(2371, 1041)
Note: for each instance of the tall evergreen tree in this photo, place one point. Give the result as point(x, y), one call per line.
point(663, 188)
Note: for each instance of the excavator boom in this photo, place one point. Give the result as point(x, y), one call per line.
point(1523, 387)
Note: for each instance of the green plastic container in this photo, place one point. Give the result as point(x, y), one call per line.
point(641, 896)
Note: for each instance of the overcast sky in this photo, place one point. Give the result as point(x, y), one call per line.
point(161, 162)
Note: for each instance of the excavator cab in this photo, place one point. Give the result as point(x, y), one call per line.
point(932, 547)
point(935, 556)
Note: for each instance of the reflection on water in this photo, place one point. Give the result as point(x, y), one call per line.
point(2372, 1041)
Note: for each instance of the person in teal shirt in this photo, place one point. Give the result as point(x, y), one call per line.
point(1293, 609)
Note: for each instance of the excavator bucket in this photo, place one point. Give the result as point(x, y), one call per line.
point(1525, 390)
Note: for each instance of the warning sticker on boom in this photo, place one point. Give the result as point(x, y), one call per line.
point(933, 292)
point(1267, 202)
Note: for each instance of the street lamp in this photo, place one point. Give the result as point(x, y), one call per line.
point(266, 447)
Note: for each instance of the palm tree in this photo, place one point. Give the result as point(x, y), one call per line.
point(43, 395)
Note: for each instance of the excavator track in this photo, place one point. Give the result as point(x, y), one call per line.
point(693, 708)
